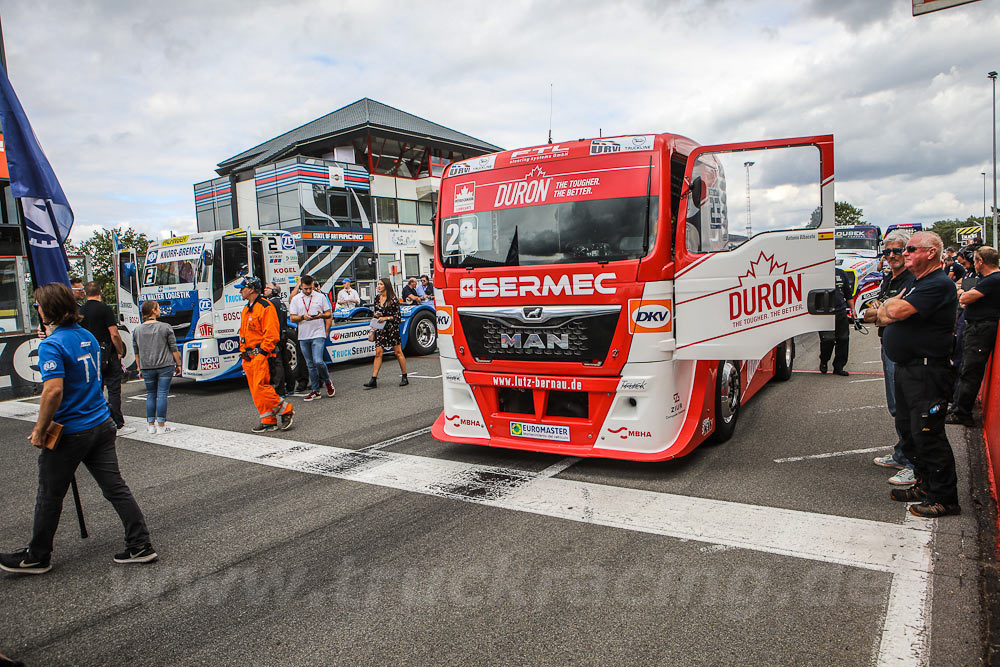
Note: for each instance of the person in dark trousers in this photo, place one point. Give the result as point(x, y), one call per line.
point(840, 337)
point(280, 363)
point(982, 312)
point(100, 320)
point(918, 339)
point(69, 362)
point(966, 257)
point(897, 279)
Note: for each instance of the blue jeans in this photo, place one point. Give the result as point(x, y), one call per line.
point(889, 368)
point(313, 350)
point(157, 387)
point(94, 448)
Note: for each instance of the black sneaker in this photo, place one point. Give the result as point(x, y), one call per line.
point(264, 428)
point(371, 384)
point(21, 561)
point(403, 381)
point(934, 510)
point(822, 367)
point(953, 418)
point(909, 494)
point(144, 554)
point(840, 371)
point(286, 421)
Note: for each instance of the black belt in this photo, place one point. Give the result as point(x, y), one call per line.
point(926, 361)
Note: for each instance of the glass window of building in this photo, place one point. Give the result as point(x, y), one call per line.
point(407, 211)
point(385, 209)
point(267, 209)
point(366, 204)
point(425, 211)
point(288, 206)
point(11, 319)
point(206, 219)
point(383, 263)
point(224, 217)
point(411, 265)
point(338, 206)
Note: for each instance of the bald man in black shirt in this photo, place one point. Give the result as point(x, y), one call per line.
point(918, 338)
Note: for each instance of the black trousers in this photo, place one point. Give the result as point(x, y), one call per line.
point(111, 378)
point(94, 448)
point(840, 338)
point(977, 345)
point(921, 406)
point(299, 380)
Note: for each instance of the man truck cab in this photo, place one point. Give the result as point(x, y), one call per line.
point(594, 300)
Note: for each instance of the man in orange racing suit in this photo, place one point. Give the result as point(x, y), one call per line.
point(259, 335)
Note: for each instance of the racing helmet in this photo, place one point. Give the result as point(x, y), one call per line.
point(252, 283)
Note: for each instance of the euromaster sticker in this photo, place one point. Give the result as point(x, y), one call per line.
point(539, 431)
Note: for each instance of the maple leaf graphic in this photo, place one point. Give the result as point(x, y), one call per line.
point(464, 191)
point(764, 266)
point(534, 173)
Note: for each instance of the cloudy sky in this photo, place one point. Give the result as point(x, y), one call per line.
point(134, 100)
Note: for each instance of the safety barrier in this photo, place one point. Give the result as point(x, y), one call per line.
point(990, 397)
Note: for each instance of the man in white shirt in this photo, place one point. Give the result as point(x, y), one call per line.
point(347, 297)
point(310, 309)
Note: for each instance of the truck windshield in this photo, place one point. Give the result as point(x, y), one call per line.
point(598, 230)
point(857, 243)
point(176, 273)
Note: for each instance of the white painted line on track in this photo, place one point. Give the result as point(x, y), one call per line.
point(559, 466)
point(871, 380)
point(392, 441)
point(830, 455)
point(142, 397)
point(862, 407)
point(424, 377)
point(902, 550)
point(877, 361)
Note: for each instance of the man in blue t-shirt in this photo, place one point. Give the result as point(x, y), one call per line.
point(70, 361)
point(982, 312)
point(918, 339)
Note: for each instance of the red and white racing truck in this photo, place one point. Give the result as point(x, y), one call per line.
point(576, 316)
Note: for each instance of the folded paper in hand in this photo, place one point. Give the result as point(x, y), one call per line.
point(377, 324)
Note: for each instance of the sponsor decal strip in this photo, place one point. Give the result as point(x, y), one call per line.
point(902, 550)
point(764, 324)
point(729, 289)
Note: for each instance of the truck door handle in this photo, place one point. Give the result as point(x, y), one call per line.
point(820, 301)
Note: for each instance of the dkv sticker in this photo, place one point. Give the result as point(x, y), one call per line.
point(650, 315)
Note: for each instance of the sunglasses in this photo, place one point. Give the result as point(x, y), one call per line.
point(913, 248)
point(892, 251)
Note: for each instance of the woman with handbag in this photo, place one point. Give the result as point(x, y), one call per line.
point(155, 343)
point(69, 362)
point(387, 312)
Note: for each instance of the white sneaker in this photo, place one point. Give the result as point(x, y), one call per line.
point(151, 429)
point(904, 477)
point(126, 430)
point(160, 430)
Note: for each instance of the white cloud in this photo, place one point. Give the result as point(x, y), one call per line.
point(135, 102)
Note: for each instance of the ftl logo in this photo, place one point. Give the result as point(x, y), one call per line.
point(768, 291)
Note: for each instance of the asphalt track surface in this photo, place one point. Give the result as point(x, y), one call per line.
point(357, 538)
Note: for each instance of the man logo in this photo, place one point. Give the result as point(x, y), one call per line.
point(532, 312)
point(445, 320)
point(650, 316)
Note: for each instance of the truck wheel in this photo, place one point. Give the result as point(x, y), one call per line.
point(293, 355)
point(727, 400)
point(422, 338)
point(784, 358)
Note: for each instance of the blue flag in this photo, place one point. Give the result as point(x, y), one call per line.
point(48, 217)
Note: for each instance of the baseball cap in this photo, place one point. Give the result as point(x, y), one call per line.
point(251, 282)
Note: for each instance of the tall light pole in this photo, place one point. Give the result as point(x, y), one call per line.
point(984, 196)
point(993, 76)
point(748, 165)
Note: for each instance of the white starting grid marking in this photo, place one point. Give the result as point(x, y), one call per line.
point(830, 455)
point(142, 397)
point(871, 380)
point(901, 550)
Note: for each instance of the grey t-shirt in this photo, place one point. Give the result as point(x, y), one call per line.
point(155, 344)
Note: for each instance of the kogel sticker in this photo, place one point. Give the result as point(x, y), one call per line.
point(539, 431)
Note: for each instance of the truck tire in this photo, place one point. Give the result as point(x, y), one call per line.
point(293, 354)
point(422, 338)
point(728, 394)
point(783, 360)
